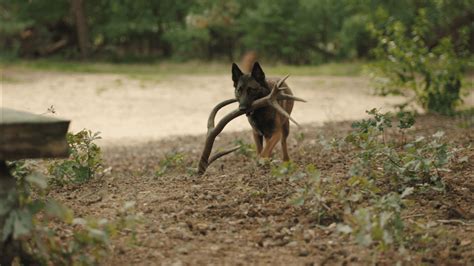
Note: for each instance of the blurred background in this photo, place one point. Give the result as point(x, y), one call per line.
point(288, 31)
point(150, 69)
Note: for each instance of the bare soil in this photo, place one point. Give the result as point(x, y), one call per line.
point(239, 214)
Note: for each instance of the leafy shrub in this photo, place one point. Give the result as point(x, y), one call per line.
point(84, 162)
point(385, 169)
point(46, 232)
point(171, 161)
point(418, 162)
point(379, 224)
point(329, 200)
point(409, 62)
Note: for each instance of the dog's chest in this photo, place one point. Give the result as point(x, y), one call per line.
point(263, 121)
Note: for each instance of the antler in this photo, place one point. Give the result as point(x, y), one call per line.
point(213, 131)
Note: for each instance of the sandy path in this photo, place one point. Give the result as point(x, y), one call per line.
point(129, 110)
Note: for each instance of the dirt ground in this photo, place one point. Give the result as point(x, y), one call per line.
point(128, 109)
point(237, 213)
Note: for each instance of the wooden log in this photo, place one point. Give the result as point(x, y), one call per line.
point(24, 135)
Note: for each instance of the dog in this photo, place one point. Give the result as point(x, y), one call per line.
point(266, 122)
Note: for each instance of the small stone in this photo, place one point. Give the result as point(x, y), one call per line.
point(214, 248)
point(267, 243)
point(303, 252)
point(308, 235)
point(202, 227)
point(183, 250)
point(156, 253)
point(121, 250)
point(177, 263)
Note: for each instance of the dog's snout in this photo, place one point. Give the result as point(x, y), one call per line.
point(243, 107)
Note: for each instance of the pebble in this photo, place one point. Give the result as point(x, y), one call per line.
point(303, 252)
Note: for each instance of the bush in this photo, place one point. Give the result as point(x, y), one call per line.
point(41, 231)
point(408, 62)
point(385, 168)
point(418, 162)
point(84, 162)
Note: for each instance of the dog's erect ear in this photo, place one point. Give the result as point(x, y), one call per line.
point(257, 73)
point(236, 73)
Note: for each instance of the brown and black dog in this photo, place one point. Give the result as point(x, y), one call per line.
point(266, 122)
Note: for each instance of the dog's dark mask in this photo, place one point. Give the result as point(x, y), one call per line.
point(249, 87)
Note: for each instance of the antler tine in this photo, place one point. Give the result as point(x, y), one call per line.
point(212, 115)
point(222, 153)
point(280, 82)
point(284, 96)
point(283, 112)
point(277, 93)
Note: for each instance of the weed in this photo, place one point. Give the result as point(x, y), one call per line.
point(367, 203)
point(171, 161)
point(329, 199)
point(378, 224)
point(85, 160)
point(71, 241)
point(245, 149)
point(420, 161)
point(284, 169)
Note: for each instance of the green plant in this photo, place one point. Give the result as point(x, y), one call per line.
point(171, 161)
point(45, 232)
point(89, 241)
point(417, 162)
point(84, 162)
point(368, 139)
point(384, 170)
point(284, 169)
point(328, 199)
point(420, 161)
point(245, 149)
point(378, 224)
point(407, 60)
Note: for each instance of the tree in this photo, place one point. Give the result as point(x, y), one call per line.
point(82, 28)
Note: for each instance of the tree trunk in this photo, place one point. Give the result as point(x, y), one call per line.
point(81, 27)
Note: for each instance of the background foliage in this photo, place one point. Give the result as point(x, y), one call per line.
point(296, 32)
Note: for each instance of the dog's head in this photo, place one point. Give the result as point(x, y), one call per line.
point(249, 87)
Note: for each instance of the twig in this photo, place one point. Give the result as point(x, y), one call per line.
point(455, 221)
point(413, 215)
point(393, 162)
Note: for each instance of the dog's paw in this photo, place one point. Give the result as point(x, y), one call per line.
point(264, 161)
